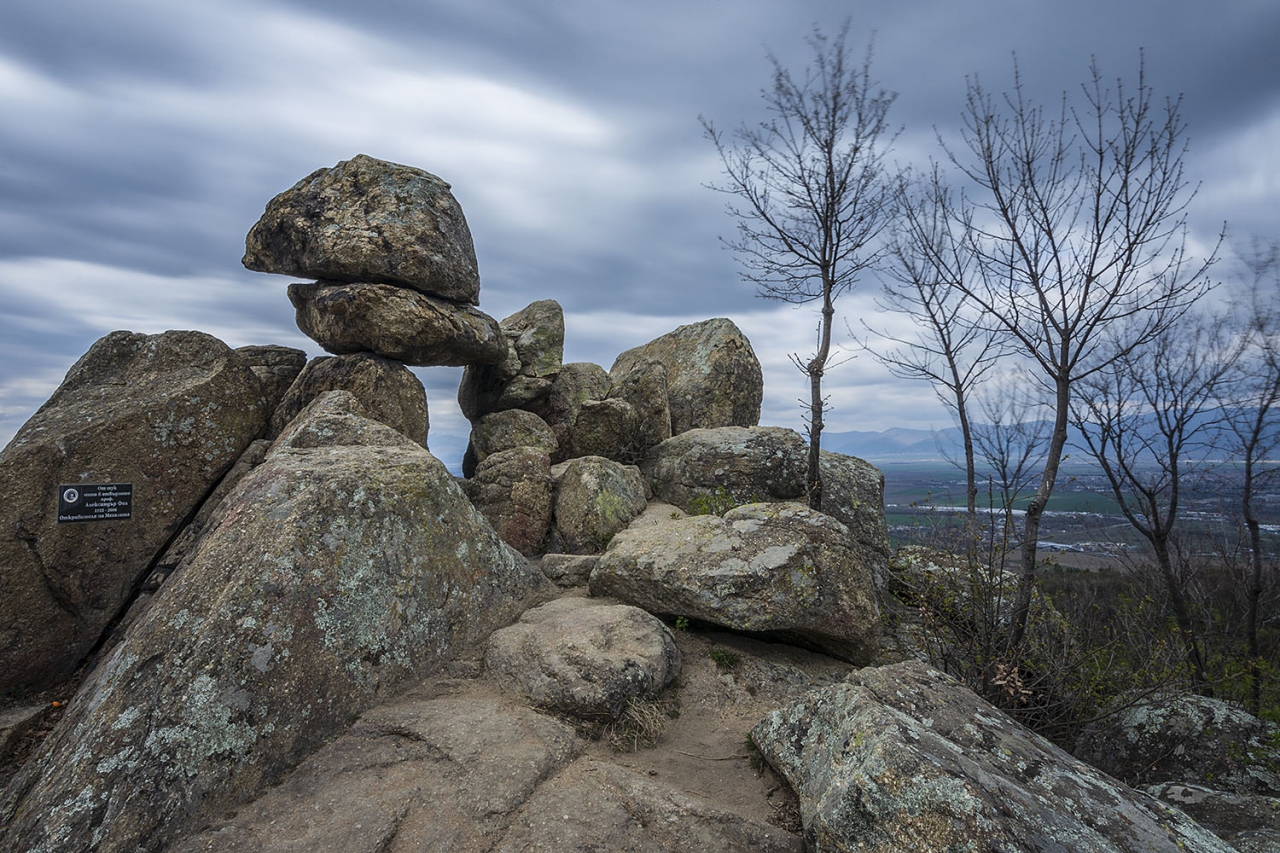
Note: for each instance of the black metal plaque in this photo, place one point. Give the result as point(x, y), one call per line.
point(94, 502)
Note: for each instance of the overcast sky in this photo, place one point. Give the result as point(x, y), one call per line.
point(140, 140)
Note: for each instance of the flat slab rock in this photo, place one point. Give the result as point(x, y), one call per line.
point(468, 774)
point(903, 757)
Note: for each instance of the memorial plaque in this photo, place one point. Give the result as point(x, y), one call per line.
point(94, 502)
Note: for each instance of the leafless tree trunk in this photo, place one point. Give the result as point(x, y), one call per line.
point(810, 195)
point(1147, 420)
point(1079, 228)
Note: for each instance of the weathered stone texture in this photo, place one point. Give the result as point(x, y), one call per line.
point(395, 323)
point(345, 567)
point(387, 390)
point(514, 491)
point(373, 221)
point(583, 657)
point(276, 367)
point(713, 375)
point(903, 757)
point(779, 569)
point(736, 465)
point(595, 498)
point(169, 413)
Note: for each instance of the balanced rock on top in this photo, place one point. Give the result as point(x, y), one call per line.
point(367, 220)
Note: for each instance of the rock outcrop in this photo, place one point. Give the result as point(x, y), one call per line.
point(905, 758)
point(386, 389)
point(167, 414)
point(713, 375)
point(780, 570)
point(514, 491)
point(1250, 823)
point(595, 499)
point(395, 322)
point(1187, 740)
point(276, 367)
point(701, 468)
point(344, 568)
point(529, 366)
point(367, 220)
point(584, 657)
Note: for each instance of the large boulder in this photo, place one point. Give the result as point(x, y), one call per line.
point(577, 383)
point(276, 367)
point(525, 373)
point(853, 492)
point(508, 429)
point(583, 657)
point(168, 414)
point(1189, 740)
point(1251, 823)
point(606, 428)
point(369, 220)
point(644, 387)
point(396, 323)
point(704, 468)
point(713, 375)
point(775, 569)
point(345, 567)
point(513, 490)
point(904, 757)
point(387, 390)
point(595, 498)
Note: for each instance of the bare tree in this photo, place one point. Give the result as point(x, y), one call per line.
point(1079, 227)
point(810, 195)
point(930, 261)
point(1149, 419)
point(1011, 440)
point(1251, 407)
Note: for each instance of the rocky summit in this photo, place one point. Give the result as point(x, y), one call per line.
point(281, 625)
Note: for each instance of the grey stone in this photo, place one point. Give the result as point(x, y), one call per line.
point(713, 375)
point(903, 757)
point(583, 657)
point(569, 570)
point(441, 774)
point(276, 367)
point(774, 569)
point(513, 490)
point(373, 221)
point(853, 492)
point(606, 428)
point(575, 384)
point(595, 498)
point(1248, 822)
point(168, 413)
point(395, 323)
point(1186, 739)
point(535, 347)
point(345, 568)
point(644, 386)
point(387, 390)
point(509, 429)
point(702, 469)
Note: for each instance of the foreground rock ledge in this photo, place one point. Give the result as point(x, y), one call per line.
point(345, 567)
point(903, 757)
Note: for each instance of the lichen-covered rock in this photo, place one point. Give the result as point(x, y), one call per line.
point(345, 567)
point(605, 428)
point(1189, 740)
point(513, 490)
point(777, 569)
point(1251, 823)
point(509, 429)
point(276, 367)
point(569, 570)
point(387, 390)
point(395, 323)
point(575, 384)
point(432, 775)
point(734, 465)
point(713, 375)
point(583, 657)
point(369, 220)
point(167, 413)
point(534, 350)
point(903, 757)
point(595, 498)
point(853, 492)
point(644, 386)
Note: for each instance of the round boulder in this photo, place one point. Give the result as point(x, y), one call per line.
point(705, 468)
point(583, 657)
point(595, 498)
point(387, 390)
point(513, 490)
point(504, 430)
point(369, 220)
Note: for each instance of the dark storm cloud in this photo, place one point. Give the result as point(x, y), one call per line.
point(142, 138)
